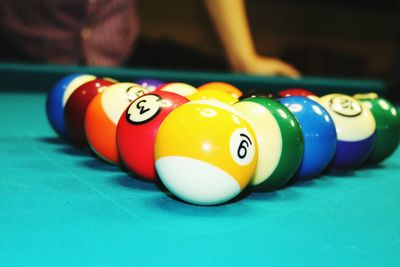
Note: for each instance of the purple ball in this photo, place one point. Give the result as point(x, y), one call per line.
point(149, 84)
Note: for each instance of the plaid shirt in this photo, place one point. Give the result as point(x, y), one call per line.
point(92, 32)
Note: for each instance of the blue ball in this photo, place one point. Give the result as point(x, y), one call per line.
point(350, 153)
point(57, 98)
point(355, 129)
point(319, 134)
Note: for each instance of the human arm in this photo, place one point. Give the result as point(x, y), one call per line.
point(230, 20)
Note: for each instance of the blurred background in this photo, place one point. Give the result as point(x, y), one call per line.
point(331, 38)
point(321, 38)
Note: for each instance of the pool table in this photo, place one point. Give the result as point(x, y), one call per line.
point(60, 206)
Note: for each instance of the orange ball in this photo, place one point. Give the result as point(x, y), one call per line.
point(222, 86)
point(102, 117)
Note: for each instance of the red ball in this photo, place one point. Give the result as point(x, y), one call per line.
point(138, 127)
point(295, 92)
point(76, 106)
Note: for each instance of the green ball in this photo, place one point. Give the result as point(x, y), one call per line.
point(387, 126)
point(279, 138)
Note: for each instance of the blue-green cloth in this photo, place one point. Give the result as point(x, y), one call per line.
point(60, 206)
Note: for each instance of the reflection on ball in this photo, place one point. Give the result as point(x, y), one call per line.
point(205, 152)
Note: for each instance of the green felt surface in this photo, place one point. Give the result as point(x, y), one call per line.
point(62, 207)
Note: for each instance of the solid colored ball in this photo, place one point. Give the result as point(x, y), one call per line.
point(205, 152)
point(138, 127)
point(355, 130)
point(387, 120)
point(222, 86)
point(295, 92)
point(102, 117)
point(149, 84)
point(257, 93)
point(76, 106)
point(279, 138)
point(319, 134)
point(213, 94)
point(182, 89)
point(58, 97)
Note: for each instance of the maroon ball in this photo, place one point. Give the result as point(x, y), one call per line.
point(76, 106)
point(295, 92)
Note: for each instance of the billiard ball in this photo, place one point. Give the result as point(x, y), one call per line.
point(387, 120)
point(137, 129)
point(279, 138)
point(103, 114)
point(270, 95)
point(213, 94)
point(205, 152)
point(149, 84)
point(295, 92)
point(76, 106)
point(222, 86)
point(319, 134)
point(57, 98)
point(182, 89)
point(355, 130)
point(258, 93)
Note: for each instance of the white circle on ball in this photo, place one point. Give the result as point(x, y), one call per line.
point(242, 146)
point(350, 128)
point(144, 108)
point(345, 106)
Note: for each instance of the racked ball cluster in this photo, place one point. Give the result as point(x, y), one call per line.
point(207, 144)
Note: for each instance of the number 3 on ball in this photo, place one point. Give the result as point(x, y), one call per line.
point(144, 109)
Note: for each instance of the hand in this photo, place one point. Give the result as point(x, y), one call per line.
point(261, 65)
